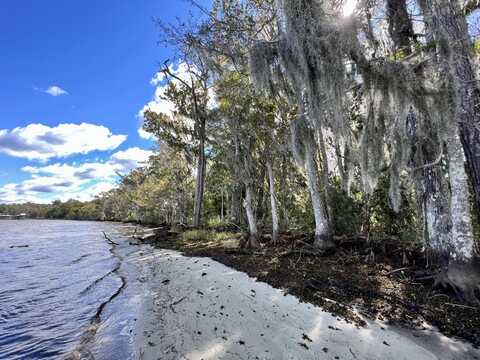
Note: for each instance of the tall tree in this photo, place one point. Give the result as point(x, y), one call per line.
point(190, 94)
point(450, 29)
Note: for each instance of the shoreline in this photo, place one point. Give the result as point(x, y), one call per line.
point(198, 308)
point(376, 291)
point(343, 284)
point(216, 301)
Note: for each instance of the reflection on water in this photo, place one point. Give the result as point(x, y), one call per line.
point(54, 275)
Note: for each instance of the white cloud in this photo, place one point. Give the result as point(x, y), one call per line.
point(132, 154)
point(56, 91)
point(181, 70)
point(72, 181)
point(145, 135)
point(90, 192)
point(41, 142)
point(159, 104)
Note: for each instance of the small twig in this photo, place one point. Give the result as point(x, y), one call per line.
point(396, 270)
point(176, 303)
point(299, 257)
point(432, 164)
point(108, 239)
point(438, 295)
point(462, 306)
point(353, 354)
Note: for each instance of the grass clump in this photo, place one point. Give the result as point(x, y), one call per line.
point(206, 235)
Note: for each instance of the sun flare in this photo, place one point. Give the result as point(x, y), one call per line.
point(349, 7)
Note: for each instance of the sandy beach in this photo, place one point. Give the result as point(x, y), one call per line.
point(197, 308)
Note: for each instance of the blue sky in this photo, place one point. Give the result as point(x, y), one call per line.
point(80, 69)
point(75, 74)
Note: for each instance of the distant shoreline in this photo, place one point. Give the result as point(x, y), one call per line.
point(13, 217)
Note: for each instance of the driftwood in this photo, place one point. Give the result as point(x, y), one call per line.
point(19, 246)
point(154, 229)
point(108, 239)
point(149, 234)
point(147, 237)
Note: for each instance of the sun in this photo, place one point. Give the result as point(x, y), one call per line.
point(349, 7)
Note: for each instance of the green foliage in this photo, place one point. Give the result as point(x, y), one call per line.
point(347, 211)
point(158, 193)
point(385, 223)
point(70, 210)
point(206, 235)
point(33, 211)
point(196, 235)
point(476, 48)
point(400, 54)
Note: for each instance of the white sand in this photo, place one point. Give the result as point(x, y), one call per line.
point(224, 314)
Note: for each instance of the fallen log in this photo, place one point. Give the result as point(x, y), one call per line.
point(147, 237)
point(154, 229)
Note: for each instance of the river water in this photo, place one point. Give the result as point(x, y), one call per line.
point(64, 290)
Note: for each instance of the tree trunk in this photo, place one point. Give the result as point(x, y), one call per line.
point(325, 175)
point(237, 190)
point(261, 196)
point(284, 196)
point(431, 187)
point(447, 24)
point(436, 212)
point(462, 231)
point(451, 30)
point(222, 208)
point(248, 202)
point(322, 226)
point(200, 180)
point(236, 205)
point(273, 203)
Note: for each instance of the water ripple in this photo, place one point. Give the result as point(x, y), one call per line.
point(52, 289)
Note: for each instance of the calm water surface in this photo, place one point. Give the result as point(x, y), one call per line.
point(54, 278)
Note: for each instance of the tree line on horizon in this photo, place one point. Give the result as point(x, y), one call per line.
point(67, 210)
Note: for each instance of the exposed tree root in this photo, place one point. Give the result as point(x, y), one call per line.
point(249, 242)
point(461, 277)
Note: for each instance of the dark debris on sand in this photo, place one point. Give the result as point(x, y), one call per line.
point(384, 289)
